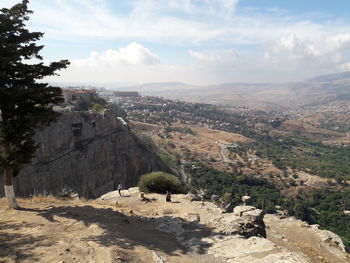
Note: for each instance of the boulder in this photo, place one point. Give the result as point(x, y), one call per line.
point(246, 221)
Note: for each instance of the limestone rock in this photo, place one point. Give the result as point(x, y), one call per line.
point(89, 152)
point(280, 257)
point(246, 221)
point(157, 257)
point(236, 246)
point(171, 225)
point(331, 239)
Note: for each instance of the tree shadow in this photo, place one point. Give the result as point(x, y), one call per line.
point(29, 209)
point(16, 246)
point(129, 231)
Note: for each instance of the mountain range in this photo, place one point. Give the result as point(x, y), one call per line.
point(333, 89)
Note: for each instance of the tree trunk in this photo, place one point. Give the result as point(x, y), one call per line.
point(9, 192)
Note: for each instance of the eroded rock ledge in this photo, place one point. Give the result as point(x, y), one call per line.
point(246, 235)
point(90, 153)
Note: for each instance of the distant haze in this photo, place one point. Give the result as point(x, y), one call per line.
point(332, 89)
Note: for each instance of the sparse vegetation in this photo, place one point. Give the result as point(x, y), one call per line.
point(65, 191)
point(321, 207)
point(94, 103)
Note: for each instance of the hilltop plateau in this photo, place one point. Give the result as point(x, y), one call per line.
point(124, 229)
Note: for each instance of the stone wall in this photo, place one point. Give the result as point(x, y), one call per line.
point(88, 152)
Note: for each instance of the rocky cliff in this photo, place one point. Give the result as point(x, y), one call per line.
point(245, 236)
point(88, 152)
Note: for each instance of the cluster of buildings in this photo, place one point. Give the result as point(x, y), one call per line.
point(304, 111)
point(75, 96)
point(121, 97)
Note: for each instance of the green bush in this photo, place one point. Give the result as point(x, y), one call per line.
point(159, 182)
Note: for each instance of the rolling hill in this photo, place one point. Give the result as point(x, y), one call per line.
point(331, 89)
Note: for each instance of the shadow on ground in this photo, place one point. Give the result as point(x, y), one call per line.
point(130, 231)
point(14, 243)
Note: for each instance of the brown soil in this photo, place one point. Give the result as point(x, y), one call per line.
point(53, 230)
point(75, 231)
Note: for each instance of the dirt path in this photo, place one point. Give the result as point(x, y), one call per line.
point(75, 231)
point(78, 232)
point(225, 159)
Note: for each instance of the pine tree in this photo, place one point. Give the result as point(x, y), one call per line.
point(25, 102)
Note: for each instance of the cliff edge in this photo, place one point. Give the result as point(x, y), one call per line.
point(123, 228)
point(88, 153)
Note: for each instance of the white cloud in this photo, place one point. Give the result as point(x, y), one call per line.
point(245, 46)
point(215, 56)
point(138, 64)
point(302, 57)
point(180, 21)
point(208, 7)
point(289, 58)
point(133, 54)
point(133, 62)
point(175, 20)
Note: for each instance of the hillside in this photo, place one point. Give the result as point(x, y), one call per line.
point(54, 230)
point(330, 89)
point(277, 160)
point(287, 165)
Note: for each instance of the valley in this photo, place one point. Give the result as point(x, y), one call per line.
point(277, 159)
point(174, 131)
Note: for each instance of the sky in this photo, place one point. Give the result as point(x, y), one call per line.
point(198, 42)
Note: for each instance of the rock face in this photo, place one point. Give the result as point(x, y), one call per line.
point(247, 221)
point(89, 152)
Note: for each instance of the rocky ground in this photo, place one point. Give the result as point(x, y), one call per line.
point(124, 229)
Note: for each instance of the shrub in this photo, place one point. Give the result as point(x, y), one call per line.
point(65, 191)
point(159, 182)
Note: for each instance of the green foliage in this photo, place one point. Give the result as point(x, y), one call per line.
point(321, 207)
point(215, 182)
point(97, 107)
point(326, 209)
point(301, 153)
point(93, 102)
point(292, 151)
point(25, 104)
point(160, 182)
point(295, 151)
